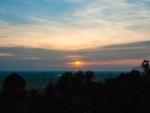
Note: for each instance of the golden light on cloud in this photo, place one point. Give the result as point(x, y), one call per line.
point(65, 37)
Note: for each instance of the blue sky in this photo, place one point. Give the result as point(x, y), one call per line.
point(70, 27)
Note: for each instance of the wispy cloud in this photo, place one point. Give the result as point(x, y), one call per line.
point(5, 54)
point(95, 23)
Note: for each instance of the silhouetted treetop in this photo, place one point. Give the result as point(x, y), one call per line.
point(146, 66)
point(89, 76)
point(14, 81)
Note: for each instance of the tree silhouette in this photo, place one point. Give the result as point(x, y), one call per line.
point(14, 86)
point(146, 66)
point(89, 76)
point(78, 92)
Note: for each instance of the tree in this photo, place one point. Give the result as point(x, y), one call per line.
point(14, 86)
point(89, 76)
point(146, 67)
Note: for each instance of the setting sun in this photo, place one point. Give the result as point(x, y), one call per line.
point(77, 64)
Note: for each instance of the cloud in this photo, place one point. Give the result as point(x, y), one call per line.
point(95, 23)
point(5, 54)
point(137, 50)
point(112, 57)
point(49, 35)
point(32, 59)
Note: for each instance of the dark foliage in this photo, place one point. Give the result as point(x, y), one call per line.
point(14, 87)
point(79, 93)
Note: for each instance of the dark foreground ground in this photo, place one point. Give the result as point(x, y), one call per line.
point(79, 93)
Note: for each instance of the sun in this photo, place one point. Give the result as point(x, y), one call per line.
point(77, 64)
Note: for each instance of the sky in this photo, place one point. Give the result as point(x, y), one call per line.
point(74, 34)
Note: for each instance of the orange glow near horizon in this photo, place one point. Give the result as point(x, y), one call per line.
point(126, 63)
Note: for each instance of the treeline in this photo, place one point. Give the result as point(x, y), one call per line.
point(78, 93)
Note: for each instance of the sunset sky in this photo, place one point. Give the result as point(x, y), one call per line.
point(74, 34)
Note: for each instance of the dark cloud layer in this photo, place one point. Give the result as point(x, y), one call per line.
point(137, 50)
point(20, 58)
